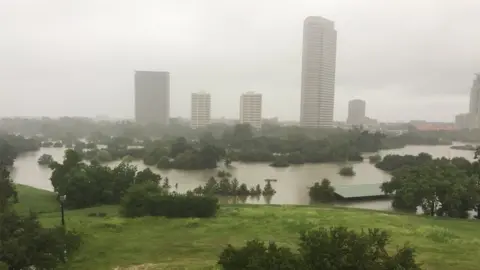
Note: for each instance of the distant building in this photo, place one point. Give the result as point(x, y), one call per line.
point(475, 103)
point(462, 121)
point(251, 109)
point(201, 110)
point(152, 97)
point(318, 72)
point(432, 126)
point(356, 112)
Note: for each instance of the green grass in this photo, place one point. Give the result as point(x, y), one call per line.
point(36, 200)
point(161, 243)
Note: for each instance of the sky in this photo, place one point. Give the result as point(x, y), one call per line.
point(409, 60)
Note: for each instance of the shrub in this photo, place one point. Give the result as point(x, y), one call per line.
point(45, 160)
point(334, 248)
point(25, 244)
point(280, 162)
point(346, 171)
point(256, 255)
point(150, 200)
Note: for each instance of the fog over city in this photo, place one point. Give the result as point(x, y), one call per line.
point(406, 59)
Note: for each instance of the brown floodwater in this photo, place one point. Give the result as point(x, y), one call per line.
point(291, 186)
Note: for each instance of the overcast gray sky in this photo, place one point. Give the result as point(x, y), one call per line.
point(410, 59)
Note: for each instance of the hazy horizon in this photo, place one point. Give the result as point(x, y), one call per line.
point(408, 61)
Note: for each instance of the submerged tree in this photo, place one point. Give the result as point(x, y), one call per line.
point(323, 192)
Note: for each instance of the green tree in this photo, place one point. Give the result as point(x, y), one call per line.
point(179, 146)
point(45, 159)
point(7, 153)
point(323, 192)
point(439, 188)
point(242, 132)
point(24, 244)
point(8, 193)
point(71, 160)
point(146, 176)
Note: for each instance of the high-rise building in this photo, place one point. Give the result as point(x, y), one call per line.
point(462, 121)
point(152, 97)
point(251, 109)
point(475, 103)
point(201, 106)
point(356, 112)
point(318, 72)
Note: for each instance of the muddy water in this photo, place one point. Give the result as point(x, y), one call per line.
point(292, 182)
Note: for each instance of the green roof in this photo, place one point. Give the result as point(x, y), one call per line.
point(359, 191)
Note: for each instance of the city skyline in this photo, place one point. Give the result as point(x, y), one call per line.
point(85, 52)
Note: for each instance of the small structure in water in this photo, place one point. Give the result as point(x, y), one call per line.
point(362, 192)
point(270, 180)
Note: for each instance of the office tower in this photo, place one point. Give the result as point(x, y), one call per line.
point(462, 121)
point(318, 72)
point(152, 97)
point(251, 109)
point(200, 115)
point(356, 112)
point(475, 103)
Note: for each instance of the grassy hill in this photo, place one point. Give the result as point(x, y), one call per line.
point(160, 243)
point(36, 200)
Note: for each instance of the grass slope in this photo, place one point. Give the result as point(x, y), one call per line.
point(160, 243)
point(36, 200)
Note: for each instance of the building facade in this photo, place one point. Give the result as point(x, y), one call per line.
point(474, 110)
point(318, 72)
point(201, 110)
point(152, 97)
point(356, 112)
point(251, 109)
point(462, 121)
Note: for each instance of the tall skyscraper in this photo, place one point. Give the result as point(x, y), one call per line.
point(356, 112)
point(152, 97)
point(475, 103)
point(251, 109)
point(318, 72)
point(201, 106)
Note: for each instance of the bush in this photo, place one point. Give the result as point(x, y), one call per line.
point(151, 200)
point(256, 255)
point(334, 248)
point(322, 192)
point(25, 244)
point(280, 162)
point(346, 171)
point(45, 160)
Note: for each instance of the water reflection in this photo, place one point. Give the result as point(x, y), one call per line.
point(291, 186)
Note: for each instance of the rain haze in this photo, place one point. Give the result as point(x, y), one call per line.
point(406, 59)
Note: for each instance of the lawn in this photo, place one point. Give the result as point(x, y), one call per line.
point(160, 243)
point(36, 200)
